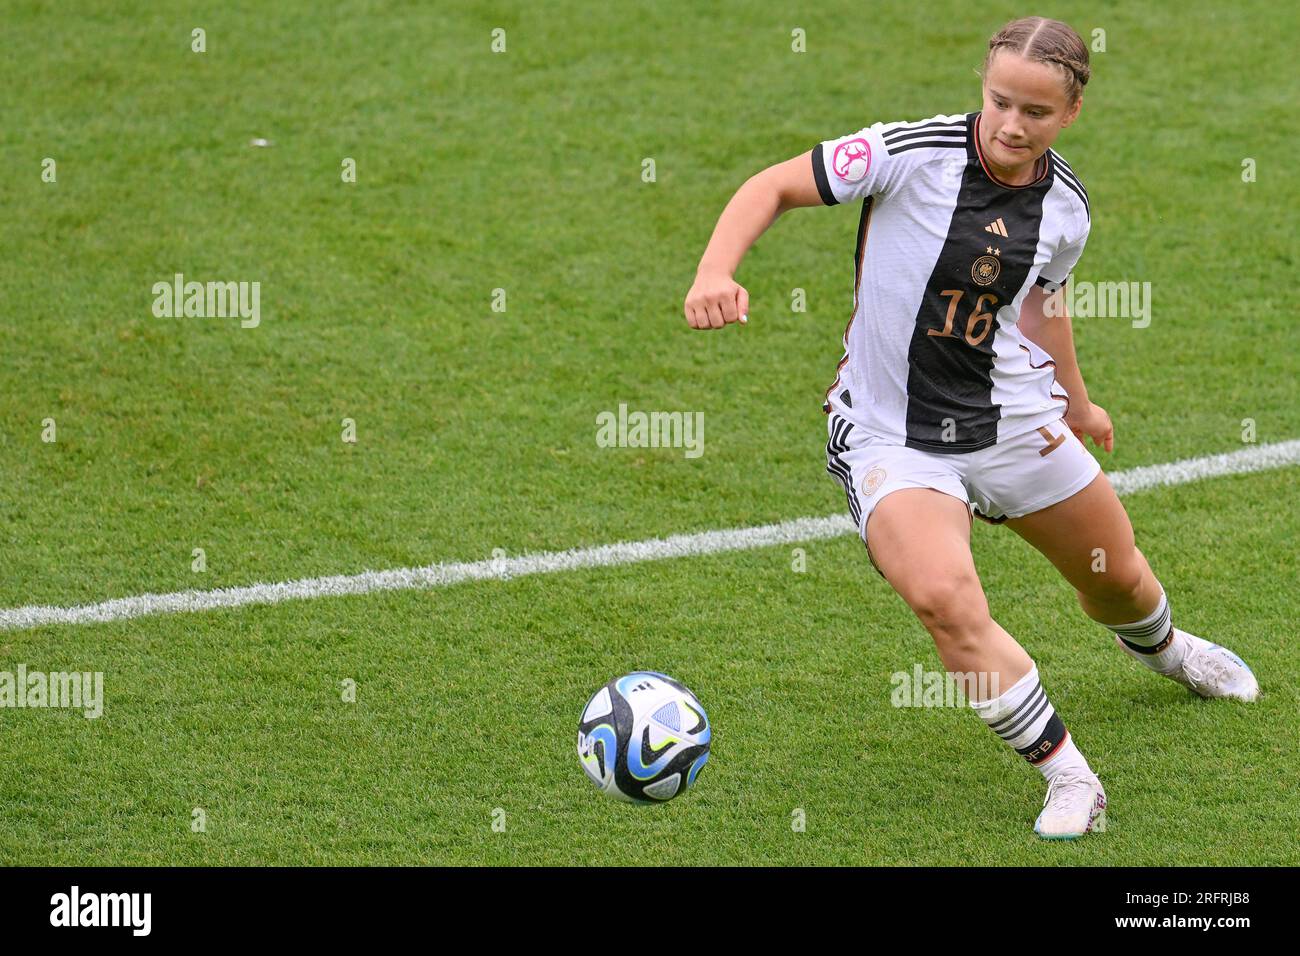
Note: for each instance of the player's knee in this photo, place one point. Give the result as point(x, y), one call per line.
point(1116, 581)
point(949, 604)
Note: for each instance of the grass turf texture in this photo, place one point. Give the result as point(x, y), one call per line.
point(476, 431)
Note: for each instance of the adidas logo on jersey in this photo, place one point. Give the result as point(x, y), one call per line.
point(998, 227)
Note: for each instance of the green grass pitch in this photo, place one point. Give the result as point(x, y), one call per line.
point(522, 171)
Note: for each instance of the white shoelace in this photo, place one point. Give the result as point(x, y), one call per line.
point(1204, 667)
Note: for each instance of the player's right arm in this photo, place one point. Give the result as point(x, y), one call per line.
point(870, 162)
point(716, 299)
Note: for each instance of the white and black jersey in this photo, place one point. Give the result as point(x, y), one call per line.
point(945, 256)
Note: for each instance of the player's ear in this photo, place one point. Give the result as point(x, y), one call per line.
point(1072, 113)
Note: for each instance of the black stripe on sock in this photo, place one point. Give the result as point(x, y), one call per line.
point(1053, 736)
point(1021, 726)
point(1030, 700)
point(1153, 630)
point(1148, 648)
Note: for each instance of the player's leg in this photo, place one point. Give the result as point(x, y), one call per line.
point(919, 538)
point(915, 507)
point(912, 511)
point(1089, 538)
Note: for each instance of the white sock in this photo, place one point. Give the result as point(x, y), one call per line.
point(1154, 638)
point(1026, 720)
point(1066, 757)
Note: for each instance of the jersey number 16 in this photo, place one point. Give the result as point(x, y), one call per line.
point(978, 319)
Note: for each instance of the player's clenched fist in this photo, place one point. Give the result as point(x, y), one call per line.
point(715, 300)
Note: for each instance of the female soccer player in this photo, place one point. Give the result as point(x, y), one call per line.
point(959, 392)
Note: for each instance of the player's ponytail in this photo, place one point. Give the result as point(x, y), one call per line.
point(1046, 41)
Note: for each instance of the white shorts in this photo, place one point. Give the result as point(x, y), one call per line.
point(1008, 480)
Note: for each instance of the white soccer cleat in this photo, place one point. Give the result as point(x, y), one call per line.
point(1210, 670)
point(1075, 805)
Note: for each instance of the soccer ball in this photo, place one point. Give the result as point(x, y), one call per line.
point(643, 738)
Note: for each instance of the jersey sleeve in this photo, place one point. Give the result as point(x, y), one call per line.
point(854, 166)
point(1055, 273)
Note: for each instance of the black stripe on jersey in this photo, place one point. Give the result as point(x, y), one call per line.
point(1060, 161)
point(864, 223)
point(1071, 184)
point(1071, 179)
point(896, 128)
point(840, 472)
point(838, 468)
point(951, 143)
point(864, 219)
point(1069, 173)
point(949, 379)
point(1075, 189)
point(819, 174)
point(1048, 284)
point(936, 130)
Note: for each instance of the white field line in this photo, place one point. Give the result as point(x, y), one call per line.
point(1256, 458)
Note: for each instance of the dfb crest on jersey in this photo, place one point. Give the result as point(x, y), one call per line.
point(985, 270)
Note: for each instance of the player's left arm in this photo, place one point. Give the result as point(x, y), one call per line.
point(1045, 322)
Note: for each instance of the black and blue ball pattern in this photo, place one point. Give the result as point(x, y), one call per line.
point(643, 737)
